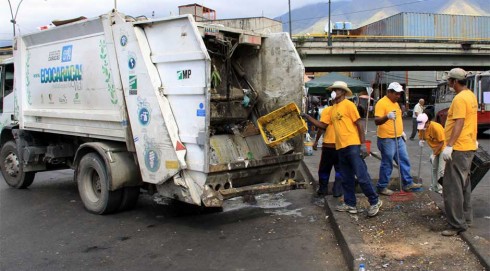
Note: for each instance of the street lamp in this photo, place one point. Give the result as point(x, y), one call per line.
point(329, 25)
point(14, 17)
point(290, 28)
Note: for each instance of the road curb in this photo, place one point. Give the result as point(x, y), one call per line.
point(480, 251)
point(349, 239)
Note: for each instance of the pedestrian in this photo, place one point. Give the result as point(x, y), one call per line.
point(314, 113)
point(432, 133)
point(351, 148)
point(460, 130)
point(417, 110)
point(388, 118)
point(329, 158)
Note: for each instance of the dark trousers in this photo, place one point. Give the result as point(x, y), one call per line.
point(456, 190)
point(414, 128)
point(329, 159)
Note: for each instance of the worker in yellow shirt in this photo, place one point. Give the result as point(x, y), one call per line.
point(388, 118)
point(460, 130)
point(329, 157)
point(349, 142)
point(432, 133)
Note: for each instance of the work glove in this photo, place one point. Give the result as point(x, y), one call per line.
point(477, 144)
point(315, 145)
point(364, 152)
point(431, 158)
point(404, 136)
point(446, 153)
point(421, 143)
point(391, 115)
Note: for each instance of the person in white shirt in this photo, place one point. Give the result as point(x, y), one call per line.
point(418, 109)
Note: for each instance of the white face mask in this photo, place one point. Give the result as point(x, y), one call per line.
point(333, 95)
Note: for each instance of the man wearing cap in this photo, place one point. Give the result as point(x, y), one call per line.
point(417, 110)
point(460, 130)
point(388, 118)
point(432, 133)
point(349, 142)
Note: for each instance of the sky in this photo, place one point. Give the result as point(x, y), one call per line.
point(36, 13)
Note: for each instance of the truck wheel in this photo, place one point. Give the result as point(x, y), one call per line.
point(93, 186)
point(12, 168)
point(130, 197)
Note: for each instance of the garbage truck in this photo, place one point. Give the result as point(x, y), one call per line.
point(165, 106)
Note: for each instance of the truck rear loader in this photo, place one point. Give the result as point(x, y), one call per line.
point(167, 106)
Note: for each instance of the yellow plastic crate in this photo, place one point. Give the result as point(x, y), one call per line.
point(281, 124)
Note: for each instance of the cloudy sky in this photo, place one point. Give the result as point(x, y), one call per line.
point(35, 13)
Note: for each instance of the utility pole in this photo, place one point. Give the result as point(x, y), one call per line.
point(329, 25)
point(290, 29)
point(14, 17)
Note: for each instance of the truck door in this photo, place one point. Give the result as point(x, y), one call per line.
point(6, 95)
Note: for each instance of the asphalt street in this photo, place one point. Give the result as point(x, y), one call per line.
point(46, 227)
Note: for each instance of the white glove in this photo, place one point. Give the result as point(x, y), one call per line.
point(446, 153)
point(421, 143)
point(391, 115)
point(477, 144)
point(431, 158)
point(404, 136)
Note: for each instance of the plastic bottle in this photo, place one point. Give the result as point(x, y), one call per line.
point(308, 145)
point(361, 267)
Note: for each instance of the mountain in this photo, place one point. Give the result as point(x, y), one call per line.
point(314, 17)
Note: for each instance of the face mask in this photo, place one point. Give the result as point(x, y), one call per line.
point(333, 95)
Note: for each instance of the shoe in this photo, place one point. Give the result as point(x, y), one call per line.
point(321, 194)
point(451, 232)
point(374, 209)
point(412, 186)
point(412, 139)
point(440, 181)
point(346, 208)
point(385, 191)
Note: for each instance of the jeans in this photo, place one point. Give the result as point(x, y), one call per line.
point(387, 147)
point(352, 166)
point(329, 159)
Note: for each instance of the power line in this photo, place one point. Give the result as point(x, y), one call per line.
point(354, 12)
point(360, 11)
point(392, 76)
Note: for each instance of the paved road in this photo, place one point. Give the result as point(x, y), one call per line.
point(46, 228)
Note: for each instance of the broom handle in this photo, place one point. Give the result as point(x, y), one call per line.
point(398, 156)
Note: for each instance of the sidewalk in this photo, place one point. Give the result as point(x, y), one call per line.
point(477, 237)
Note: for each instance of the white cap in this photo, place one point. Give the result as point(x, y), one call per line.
point(396, 87)
point(421, 120)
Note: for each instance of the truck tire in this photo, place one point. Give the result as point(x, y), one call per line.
point(12, 168)
point(130, 197)
point(93, 186)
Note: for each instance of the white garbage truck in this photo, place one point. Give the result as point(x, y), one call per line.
point(167, 106)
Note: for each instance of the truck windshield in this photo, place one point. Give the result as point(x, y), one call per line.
point(485, 87)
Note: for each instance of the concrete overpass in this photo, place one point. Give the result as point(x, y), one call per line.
point(369, 53)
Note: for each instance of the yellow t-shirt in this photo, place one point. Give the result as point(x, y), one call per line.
point(434, 135)
point(387, 130)
point(464, 106)
point(343, 117)
point(329, 136)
